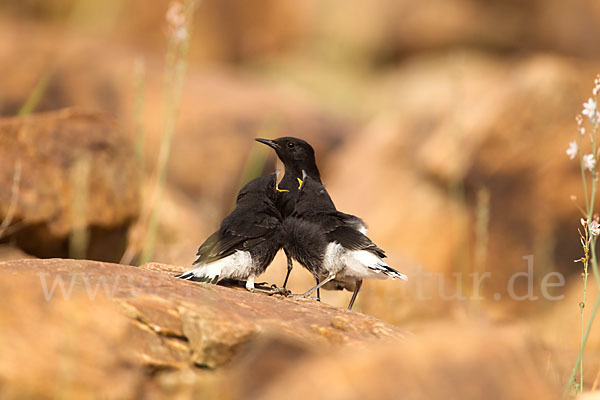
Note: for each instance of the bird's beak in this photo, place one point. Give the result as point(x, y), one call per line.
point(268, 142)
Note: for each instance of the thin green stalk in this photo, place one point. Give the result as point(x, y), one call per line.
point(36, 95)
point(589, 245)
point(585, 339)
point(582, 310)
point(591, 242)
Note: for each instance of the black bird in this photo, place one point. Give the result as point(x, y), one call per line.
point(331, 244)
point(247, 241)
point(297, 156)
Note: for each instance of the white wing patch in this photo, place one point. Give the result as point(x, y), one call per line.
point(332, 261)
point(235, 266)
point(357, 264)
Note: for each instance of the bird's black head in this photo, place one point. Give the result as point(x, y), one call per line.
point(296, 154)
point(261, 187)
point(313, 196)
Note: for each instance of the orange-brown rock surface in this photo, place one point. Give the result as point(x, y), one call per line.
point(62, 171)
point(104, 320)
point(84, 328)
point(443, 124)
point(430, 366)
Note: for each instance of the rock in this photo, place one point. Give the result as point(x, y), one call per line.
point(8, 253)
point(221, 111)
point(122, 332)
point(142, 322)
point(393, 30)
point(76, 170)
point(73, 347)
point(445, 363)
point(446, 133)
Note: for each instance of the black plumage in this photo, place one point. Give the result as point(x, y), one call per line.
point(332, 245)
point(297, 156)
point(247, 240)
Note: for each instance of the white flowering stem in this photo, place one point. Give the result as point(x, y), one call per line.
point(176, 63)
point(589, 246)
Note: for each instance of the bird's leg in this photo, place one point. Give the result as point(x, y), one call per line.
point(329, 278)
point(356, 289)
point(290, 265)
point(318, 289)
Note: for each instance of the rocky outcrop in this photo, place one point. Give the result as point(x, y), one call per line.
point(111, 323)
point(85, 328)
point(426, 367)
point(65, 171)
point(221, 112)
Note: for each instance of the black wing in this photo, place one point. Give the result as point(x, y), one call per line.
point(352, 239)
point(330, 220)
point(352, 221)
point(239, 231)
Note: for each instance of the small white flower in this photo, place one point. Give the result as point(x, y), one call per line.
point(594, 228)
point(583, 222)
point(176, 14)
point(176, 19)
point(589, 162)
point(572, 150)
point(589, 109)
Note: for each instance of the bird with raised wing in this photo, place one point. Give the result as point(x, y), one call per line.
point(332, 245)
point(247, 240)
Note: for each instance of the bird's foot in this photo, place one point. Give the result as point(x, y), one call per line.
point(270, 290)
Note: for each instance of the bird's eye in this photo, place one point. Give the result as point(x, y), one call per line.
point(290, 145)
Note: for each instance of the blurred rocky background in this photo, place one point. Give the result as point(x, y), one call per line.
point(442, 123)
